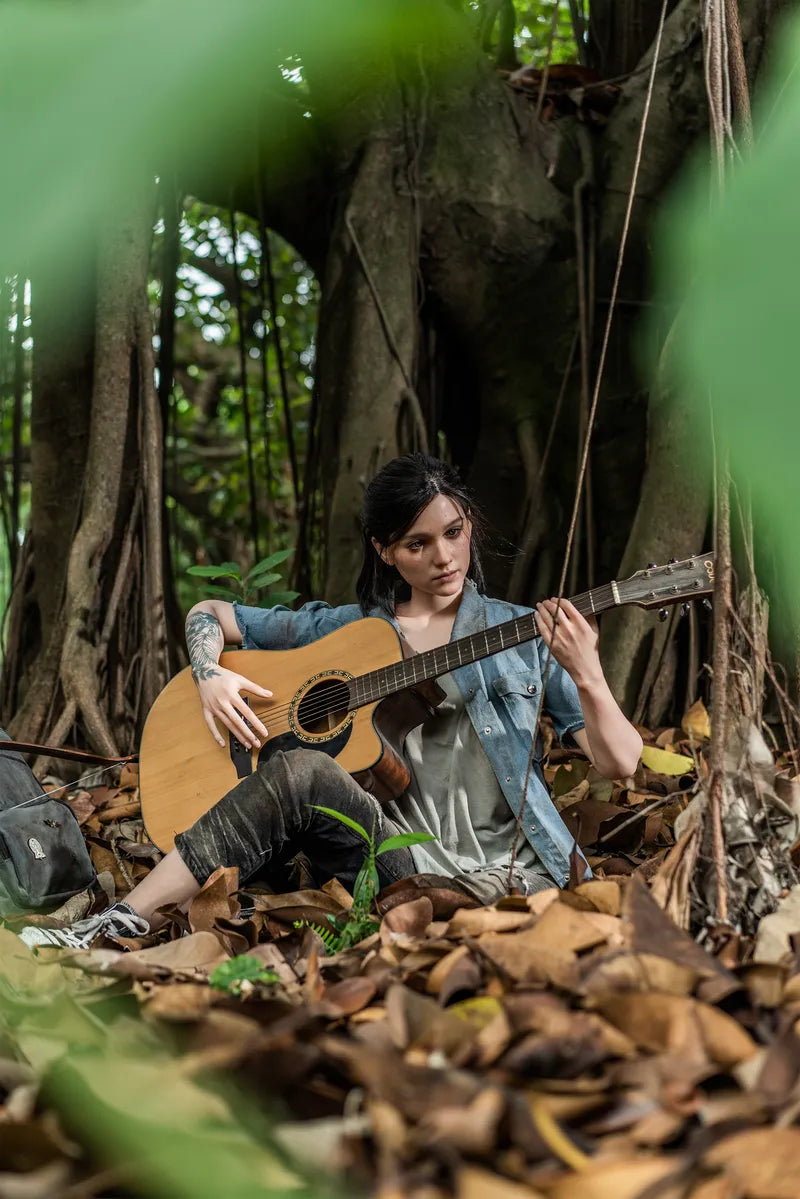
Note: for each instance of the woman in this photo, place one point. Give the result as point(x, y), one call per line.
point(469, 762)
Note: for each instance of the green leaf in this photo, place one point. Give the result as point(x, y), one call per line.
point(354, 825)
point(226, 570)
point(279, 597)
point(267, 563)
point(222, 593)
point(255, 584)
point(401, 840)
point(229, 976)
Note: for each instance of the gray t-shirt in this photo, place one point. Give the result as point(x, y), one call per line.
point(455, 795)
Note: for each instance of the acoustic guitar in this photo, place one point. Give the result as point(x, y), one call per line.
point(352, 694)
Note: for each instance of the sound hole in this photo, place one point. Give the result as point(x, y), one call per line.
point(324, 707)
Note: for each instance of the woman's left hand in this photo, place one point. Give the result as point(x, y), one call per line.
point(572, 638)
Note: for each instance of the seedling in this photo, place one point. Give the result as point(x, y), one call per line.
point(358, 923)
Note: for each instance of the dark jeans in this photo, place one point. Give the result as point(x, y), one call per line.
point(268, 818)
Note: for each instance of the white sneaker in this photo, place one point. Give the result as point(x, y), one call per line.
point(119, 920)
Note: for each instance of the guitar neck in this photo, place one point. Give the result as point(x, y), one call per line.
point(378, 684)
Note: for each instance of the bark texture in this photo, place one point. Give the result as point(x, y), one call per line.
point(102, 659)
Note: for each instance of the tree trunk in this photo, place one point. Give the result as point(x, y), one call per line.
point(63, 363)
point(670, 522)
point(104, 658)
point(513, 215)
point(367, 336)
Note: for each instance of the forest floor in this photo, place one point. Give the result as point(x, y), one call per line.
point(577, 1043)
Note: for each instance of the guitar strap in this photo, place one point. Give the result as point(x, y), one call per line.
point(71, 755)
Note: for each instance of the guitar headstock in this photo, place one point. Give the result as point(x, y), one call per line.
point(657, 586)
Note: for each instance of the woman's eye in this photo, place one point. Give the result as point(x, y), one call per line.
point(454, 532)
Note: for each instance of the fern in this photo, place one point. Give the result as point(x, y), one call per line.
point(329, 937)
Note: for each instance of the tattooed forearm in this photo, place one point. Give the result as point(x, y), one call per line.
point(205, 642)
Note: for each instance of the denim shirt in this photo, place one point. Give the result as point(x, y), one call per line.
point(502, 694)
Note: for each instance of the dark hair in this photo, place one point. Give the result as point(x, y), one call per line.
point(392, 501)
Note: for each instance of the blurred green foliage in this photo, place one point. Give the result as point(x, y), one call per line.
point(112, 92)
point(117, 1086)
point(728, 265)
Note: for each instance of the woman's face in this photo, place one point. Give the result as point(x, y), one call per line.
point(433, 554)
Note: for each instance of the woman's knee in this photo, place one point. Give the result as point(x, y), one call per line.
point(306, 769)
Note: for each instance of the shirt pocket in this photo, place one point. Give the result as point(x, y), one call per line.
point(518, 695)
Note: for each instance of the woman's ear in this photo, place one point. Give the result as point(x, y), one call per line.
point(384, 552)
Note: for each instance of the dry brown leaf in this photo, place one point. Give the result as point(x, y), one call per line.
point(715, 1188)
point(200, 952)
point(348, 996)
point(696, 722)
point(765, 983)
point(530, 962)
point(471, 1129)
point(338, 893)
point(416, 1022)
point(678, 1025)
point(774, 931)
point(407, 920)
point(454, 974)
point(178, 1003)
point(627, 1178)
point(654, 932)
point(638, 972)
point(215, 900)
point(561, 927)
point(129, 777)
point(603, 894)
point(762, 1162)
point(671, 883)
point(475, 1183)
point(471, 922)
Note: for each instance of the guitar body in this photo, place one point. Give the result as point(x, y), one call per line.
point(183, 772)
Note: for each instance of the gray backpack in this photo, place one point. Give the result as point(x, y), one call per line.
point(43, 855)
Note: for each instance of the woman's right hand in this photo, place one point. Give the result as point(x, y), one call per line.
point(220, 699)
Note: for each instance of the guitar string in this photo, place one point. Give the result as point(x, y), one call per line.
point(324, 704)
point(320, 708)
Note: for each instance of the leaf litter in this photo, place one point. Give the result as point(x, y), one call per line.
point(601, 1042)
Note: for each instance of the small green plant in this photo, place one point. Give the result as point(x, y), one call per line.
point(243, 588)
point(233, 975)
point(353, 926)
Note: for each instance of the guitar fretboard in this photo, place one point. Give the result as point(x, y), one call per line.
point(377, 684)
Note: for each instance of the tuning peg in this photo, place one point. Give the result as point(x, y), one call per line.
point(673, 561)
point(685, 608)
point(663, 613)
point(707, 604)
point(652, 566)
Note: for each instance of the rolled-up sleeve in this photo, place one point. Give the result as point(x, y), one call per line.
point(285, 628)
point(561, 700)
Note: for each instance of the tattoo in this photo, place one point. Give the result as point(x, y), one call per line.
point(205, 643)
point(204, 672)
